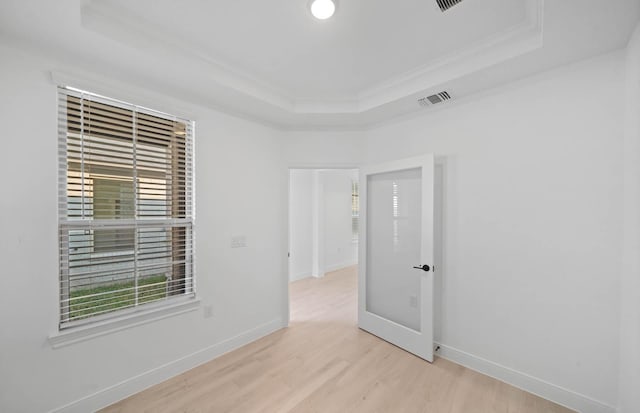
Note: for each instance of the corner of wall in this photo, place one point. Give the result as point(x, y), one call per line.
point(629, 362)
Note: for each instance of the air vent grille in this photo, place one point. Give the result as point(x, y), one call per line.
point(447, 4)
point(433, 99)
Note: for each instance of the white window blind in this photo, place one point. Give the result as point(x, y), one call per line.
point(125, 207)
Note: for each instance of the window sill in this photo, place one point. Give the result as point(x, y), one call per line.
point(78, 334)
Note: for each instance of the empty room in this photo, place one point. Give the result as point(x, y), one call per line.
point(320, 206)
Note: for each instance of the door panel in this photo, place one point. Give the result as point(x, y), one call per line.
point(394, 221)
point(396, 300)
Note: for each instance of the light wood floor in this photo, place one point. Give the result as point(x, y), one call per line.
point(324, 363)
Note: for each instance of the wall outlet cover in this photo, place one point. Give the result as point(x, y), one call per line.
point(238, 241)
point(208, 311)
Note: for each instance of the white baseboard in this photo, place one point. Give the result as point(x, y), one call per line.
point(546, 390)
point(145, 380)
point(340, 266)
point(299, 276)
point(124, 389)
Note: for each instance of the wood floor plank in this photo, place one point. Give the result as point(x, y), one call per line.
point(323, 363)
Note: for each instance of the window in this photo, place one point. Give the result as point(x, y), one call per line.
point(355, 211)
point(126, 207)
point(113, 199)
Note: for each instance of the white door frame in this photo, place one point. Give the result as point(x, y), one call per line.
point(287, 301)
point(442, 167)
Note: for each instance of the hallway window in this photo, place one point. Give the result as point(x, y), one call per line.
point(355, 211)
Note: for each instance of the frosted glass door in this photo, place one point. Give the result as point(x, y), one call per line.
point(396, 278)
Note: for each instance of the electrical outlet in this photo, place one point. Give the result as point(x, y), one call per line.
point(413, 301)
point(208, 311)
point(238, 241)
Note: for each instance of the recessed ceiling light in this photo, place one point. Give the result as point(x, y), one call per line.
point(322, 9)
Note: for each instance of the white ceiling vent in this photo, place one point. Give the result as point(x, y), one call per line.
point(433, 99)
point(447, 4)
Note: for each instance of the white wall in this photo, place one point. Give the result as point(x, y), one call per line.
point(241, 190)
point(300, 219)
point(323, 149)
point(630, 282)
point(532, 226)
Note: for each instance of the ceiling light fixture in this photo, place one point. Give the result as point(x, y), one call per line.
point(322, 9)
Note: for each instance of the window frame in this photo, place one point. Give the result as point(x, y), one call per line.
point(177, 303)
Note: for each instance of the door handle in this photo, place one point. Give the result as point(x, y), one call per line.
point(423, 268)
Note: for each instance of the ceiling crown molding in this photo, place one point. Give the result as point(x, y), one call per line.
point(120, 25)
point(508, 44)
point(131, 30)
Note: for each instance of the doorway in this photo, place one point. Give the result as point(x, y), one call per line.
point(323, 221)
point(310, 194)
